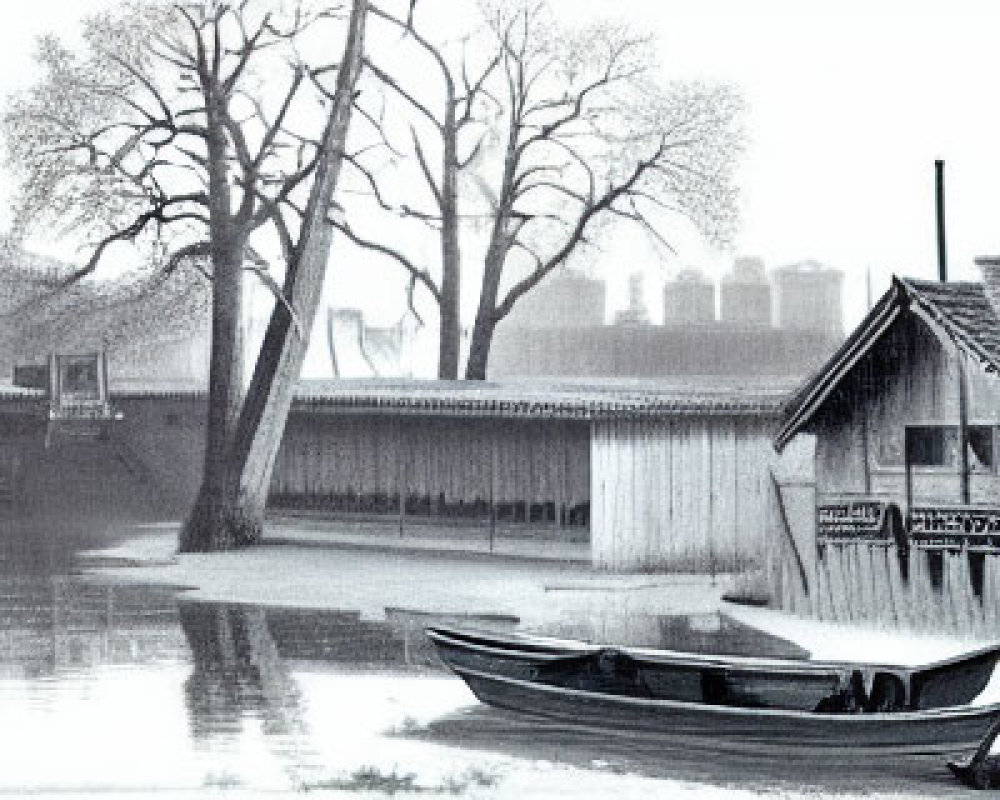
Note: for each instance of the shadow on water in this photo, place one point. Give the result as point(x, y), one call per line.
point(704, 760)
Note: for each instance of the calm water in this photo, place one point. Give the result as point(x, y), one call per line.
point(108, 687)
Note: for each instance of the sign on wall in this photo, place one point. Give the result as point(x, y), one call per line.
point(853, 519)
point(954, 525)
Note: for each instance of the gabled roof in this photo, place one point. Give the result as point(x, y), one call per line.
point(957, 311)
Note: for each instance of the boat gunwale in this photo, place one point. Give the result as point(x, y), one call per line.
point(464, 638)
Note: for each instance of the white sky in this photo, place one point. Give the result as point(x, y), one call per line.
point(850, 102)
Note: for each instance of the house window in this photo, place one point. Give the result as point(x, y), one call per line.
point(932, 446)
point(980, 447)
point(938, 446)
point(78, 379)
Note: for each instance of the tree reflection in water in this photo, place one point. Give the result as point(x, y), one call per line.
point(238, 674)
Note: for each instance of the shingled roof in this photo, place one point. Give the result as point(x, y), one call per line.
point(959, 311)
point(690, 396)
point(963, 310)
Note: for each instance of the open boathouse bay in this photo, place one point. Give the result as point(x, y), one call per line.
point(193, 695)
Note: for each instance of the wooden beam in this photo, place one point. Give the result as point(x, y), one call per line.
point(963, 426)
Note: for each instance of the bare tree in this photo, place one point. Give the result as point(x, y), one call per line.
point(573, 132)
point(166, 132)
point(590, 134)
point(452, 129)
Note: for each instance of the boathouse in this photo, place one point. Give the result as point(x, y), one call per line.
point(661, 476)
point(905, 417)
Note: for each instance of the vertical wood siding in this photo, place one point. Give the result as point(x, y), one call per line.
point(679, 494)
point(535, 470)
point(862, 582)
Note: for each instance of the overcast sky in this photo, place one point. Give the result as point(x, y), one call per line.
point(850, 102)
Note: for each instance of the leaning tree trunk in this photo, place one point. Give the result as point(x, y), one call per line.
point(486, 315)
point(479, 349)
point(250, 459)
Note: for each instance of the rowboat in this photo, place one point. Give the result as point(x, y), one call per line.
point(766, 701)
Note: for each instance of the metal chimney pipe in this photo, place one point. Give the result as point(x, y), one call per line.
point(939, 204)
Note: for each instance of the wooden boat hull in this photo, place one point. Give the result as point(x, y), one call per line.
point(718, 680)
point(936, 731)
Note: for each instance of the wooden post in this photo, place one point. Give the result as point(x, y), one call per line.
point(493, 480)
point(963, 427)
point(401, 472)
point(711, 501)
point(908, 468)
point(736, 494)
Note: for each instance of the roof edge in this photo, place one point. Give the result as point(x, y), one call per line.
point(807, 399)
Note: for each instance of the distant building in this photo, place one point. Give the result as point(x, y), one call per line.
point(690, 297)
point(745, 294)
point(567, 299)
point(691, 341)
point(809, 298)
point(655, 351)
point(358, 350)
point(636, 313)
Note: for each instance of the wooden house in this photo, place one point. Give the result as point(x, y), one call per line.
point(906, 419)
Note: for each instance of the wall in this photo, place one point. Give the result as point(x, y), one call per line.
point(537, 470)
point(684, 494)
point(166, 436)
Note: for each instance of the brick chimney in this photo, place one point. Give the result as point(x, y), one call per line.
point(990, 267)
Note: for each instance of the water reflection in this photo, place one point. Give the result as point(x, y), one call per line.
point(237, 671)
point(55, 624)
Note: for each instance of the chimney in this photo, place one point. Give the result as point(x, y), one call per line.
point(990, 267)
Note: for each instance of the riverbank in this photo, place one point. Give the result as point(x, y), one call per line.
point(447, 570)
point(305, 564)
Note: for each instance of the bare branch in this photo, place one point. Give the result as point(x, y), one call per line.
point(425, 168)
point(393, 84)
point(417, 274)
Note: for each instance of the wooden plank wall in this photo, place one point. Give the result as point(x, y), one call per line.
point(685, 494)
point(535, 470)
point(862, 582)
